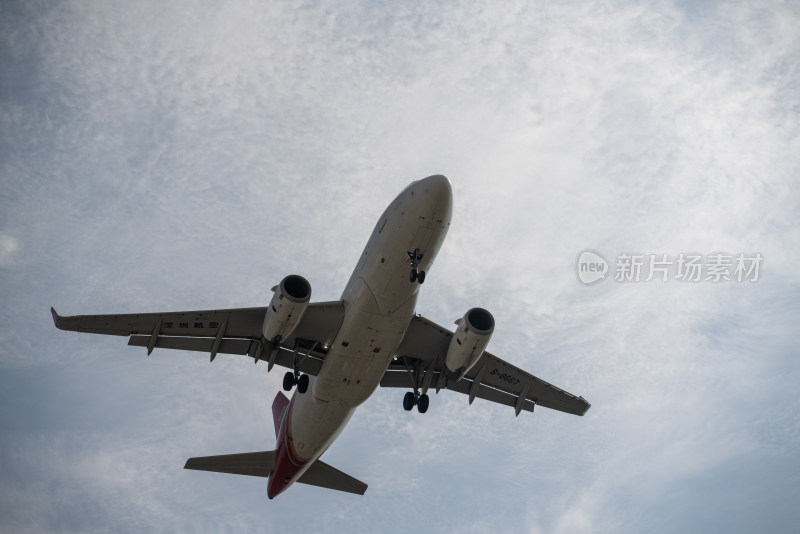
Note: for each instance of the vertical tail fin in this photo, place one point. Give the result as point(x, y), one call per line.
point(278, 407)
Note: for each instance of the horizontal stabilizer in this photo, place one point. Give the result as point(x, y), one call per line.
point(260, 464)
point(256, 464)
point(323, 475)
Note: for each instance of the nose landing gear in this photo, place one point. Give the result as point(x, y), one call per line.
point(416, 275)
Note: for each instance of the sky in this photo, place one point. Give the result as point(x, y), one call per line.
point(189, 155)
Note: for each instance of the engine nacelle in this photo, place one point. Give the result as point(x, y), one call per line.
point(286, 308)
point(468, 343)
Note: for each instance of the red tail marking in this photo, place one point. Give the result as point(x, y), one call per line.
point(278, 407)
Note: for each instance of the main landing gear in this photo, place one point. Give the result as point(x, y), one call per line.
point(294, 378)
point(416, 275)
point(412, 399)
point(290, 379)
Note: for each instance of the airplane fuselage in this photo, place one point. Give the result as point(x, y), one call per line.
point(379, 302)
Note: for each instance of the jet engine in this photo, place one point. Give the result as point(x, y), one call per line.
point(469, 341)
point(288, 304)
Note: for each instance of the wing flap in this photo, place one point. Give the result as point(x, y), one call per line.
point(256, 464)
point(401, 379)
point(309, 364)
point(200, 344)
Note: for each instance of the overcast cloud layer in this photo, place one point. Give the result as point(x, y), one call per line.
point(188, 155)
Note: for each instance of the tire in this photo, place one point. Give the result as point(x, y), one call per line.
point(409, 401)
point(288, 381)
point(413, 276)
point(302, 384)
point(421, 277)
point(422, 403)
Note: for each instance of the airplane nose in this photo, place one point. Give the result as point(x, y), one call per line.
point(437, 183)
point(438, 189)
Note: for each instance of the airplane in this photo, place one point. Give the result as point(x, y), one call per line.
point(339, 352)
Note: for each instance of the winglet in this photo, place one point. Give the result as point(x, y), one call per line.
point(587, 406)
point(56, 317)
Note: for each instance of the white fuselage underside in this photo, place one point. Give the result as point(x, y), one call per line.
point(379, 302)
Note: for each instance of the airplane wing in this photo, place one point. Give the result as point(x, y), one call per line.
point(231, 331)
point(420, 364)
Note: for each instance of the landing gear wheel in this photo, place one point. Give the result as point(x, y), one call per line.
point(409, 401)
point(422, 403)
point(302, 383)
point(416, 274)
point(288, 381)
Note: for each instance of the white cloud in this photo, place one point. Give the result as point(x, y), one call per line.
point(162, 157)
point(8, 248)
